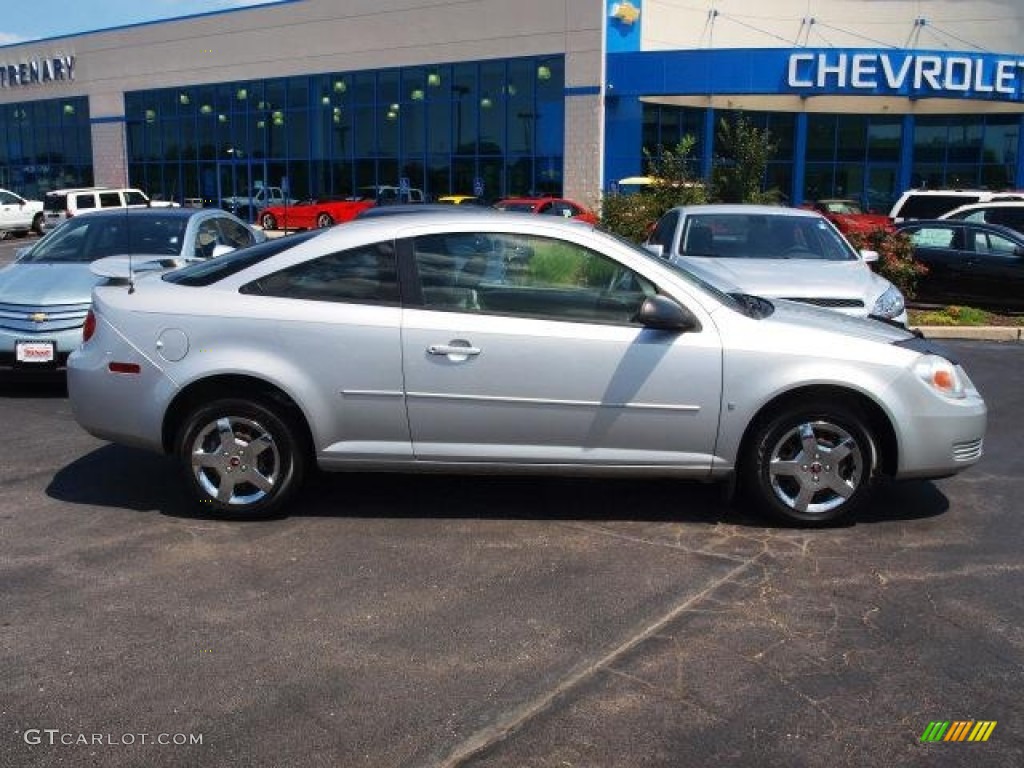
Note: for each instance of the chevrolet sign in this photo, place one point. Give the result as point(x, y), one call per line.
point(906, 73)
point(33, 71)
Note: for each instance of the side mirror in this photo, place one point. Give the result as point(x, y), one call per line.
point(656, 248)
point(869, 256)
point(664, 314)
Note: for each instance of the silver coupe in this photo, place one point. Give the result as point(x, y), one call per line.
point(491, 343)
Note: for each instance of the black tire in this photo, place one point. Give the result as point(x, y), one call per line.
point(37, 224)
point(267, 221)
point(791, 470)
point(324, 220)
point(232, 479)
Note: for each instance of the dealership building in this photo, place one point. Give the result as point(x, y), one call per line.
point(865, 98)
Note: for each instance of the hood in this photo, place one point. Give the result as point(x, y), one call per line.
point(803, 316)
point(47, 284)
point(792, 278)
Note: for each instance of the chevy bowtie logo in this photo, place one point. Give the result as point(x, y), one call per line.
point(38, 317)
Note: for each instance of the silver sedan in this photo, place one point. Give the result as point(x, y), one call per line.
point(45, 293)
point(491, 343)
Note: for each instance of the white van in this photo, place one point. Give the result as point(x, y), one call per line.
point(932, 203)
point(62, 204)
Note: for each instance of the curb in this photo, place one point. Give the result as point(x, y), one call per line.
point(976, 332)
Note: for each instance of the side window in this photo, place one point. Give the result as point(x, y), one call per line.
point(664, 231)
point(997, 245)
point(526, 276)
point(933, 237)
point(6, 198)
point(365, 275)
point(85, 202)
point(110, 199)
point(134, 197)
point(234, 234)
point(206, 239)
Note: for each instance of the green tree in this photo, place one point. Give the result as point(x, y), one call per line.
point(739, 172)
point(672, 184)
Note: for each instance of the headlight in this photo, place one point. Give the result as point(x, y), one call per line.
point(889, 304)
point(941, 375)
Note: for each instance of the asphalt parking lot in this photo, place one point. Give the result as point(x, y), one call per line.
point(399, 620)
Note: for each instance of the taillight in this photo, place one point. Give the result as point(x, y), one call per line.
point(89, 327)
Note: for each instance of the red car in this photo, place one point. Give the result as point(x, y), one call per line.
point(321, 212)
point(548, 206)
point(848, 216)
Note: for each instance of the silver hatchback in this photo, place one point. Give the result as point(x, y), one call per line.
point(492, 343)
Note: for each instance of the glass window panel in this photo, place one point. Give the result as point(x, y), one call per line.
point(851, 137)
point(930, 140)
point(1001, 141)
point(821, 137)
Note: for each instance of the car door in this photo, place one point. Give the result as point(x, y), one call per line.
point(520, 349)
point(13, 214)
point(338, 317)
point(941, 247)
point(993, 275)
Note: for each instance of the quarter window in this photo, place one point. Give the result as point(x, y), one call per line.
point(526, 276)
point(110, 200)
point(365, 275)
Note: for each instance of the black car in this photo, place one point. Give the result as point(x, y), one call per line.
point(972, 263)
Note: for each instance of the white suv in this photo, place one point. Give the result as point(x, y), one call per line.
point(932, 203)
point(62, 204)
point(19, 215)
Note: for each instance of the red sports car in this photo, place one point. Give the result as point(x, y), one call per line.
point(321, 212)
point(848, 216)
point(548, 206)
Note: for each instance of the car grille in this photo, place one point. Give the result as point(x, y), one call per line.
point(827, 302)
point(58, 317)
point(969, 451)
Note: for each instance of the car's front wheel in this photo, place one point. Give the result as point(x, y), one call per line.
point(240, 458)
point(267, 221)
point(812, 464)
point(37, 224)
point(324, 220)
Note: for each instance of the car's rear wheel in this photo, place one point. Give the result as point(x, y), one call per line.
point(37, 224)
point(267, 221)
point(240, 458)
point(812, 464)
point(324, 220)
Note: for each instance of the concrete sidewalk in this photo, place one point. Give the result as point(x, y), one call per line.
point(975, 332)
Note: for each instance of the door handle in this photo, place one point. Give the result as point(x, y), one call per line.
point(454, 350)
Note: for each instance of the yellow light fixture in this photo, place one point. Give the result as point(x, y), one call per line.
point(543, 72)
point(206, 109)
point(184, 98)
point(242, 94)
point(417, 94)
point(434, 79)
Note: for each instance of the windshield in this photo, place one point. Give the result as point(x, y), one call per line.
point(85, 239)
point(762, 236)
point(845, 207)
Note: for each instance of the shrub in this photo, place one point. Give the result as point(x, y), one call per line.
point(896, 262)
point(632, 215)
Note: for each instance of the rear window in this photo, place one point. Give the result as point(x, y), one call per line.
point(932, 206)
point(210, 272)
point(55, 203)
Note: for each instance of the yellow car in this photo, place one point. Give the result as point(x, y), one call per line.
point(459, 200)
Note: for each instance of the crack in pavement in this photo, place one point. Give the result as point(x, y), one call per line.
point(515, 718)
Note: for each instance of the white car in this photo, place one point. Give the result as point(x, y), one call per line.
point(777, 253)
point(18, 215)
